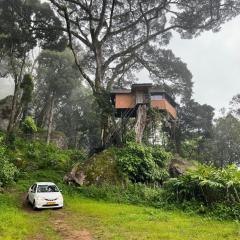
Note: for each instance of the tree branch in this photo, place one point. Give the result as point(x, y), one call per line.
point(74, 54)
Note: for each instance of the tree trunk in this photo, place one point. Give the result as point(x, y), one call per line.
point(13, 109)
point(50, 119)
point(44, 113)
point(141, 122)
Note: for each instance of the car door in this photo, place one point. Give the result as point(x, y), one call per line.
point(32, 192)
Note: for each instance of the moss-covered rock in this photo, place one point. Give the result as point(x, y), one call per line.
point(178, 166)
point(98, 169)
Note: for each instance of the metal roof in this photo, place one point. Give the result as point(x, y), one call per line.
point(121, 90)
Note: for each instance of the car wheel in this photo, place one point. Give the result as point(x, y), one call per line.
point(34, 205)
point(27, 200)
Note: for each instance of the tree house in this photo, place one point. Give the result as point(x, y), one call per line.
point(127, 101)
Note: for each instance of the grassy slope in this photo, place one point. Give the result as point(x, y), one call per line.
point(105, 220)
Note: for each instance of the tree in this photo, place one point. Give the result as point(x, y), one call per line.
point(78, 117)
point(195, 123)
point(56, 77)
point(27, 86)
point(235, 105)
point(114, 35)
point(226, 141)
point(24, 25)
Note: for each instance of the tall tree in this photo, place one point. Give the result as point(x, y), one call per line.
point(114, 35)
point(78, 117)
point(23, 25)
point(235, 105)
point(226, 141)
point(195, 121)
point(56, 77)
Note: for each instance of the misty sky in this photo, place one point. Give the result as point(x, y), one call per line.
point(213, 59)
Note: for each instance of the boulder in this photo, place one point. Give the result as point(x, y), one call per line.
point(178, 166)
point(99, 169)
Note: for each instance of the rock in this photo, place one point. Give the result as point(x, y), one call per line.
point(179, 166)
point(99, 169)
point(76, 176)
point(5, 112)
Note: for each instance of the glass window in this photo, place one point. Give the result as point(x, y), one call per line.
point(47, 188)
point(34, 187)
point(157, 97)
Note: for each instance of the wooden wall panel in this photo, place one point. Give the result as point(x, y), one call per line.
point(125, 101)
point(164, 105)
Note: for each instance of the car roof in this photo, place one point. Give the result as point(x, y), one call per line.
point(45, 183)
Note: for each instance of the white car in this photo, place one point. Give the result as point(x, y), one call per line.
point(45, 195)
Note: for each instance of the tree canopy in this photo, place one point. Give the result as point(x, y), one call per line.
point(115, 34)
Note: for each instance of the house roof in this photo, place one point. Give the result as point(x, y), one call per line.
point(141, 86)
point(121, 90)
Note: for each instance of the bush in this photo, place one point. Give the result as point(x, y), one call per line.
point(28, 126)
point(8, 171)
point(143, 164)
point(206, 184)
point(131, 193)
point(76, 156)
point(29, 155)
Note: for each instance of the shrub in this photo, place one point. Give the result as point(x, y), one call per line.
point(206, 184)
point(28, 126)
point(131, 193)
point(142, 163)
point(8, 170)
point(38, 155)
point(76, 156)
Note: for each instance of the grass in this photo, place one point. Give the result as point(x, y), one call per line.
point(120, 221)
point(18, 222)
point(102, 219)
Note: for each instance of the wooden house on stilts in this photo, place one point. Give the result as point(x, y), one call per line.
point(133, 103)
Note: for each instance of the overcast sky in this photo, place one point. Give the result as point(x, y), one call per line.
point(213, 59)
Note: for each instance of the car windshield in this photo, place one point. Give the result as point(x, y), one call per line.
point(47, 188)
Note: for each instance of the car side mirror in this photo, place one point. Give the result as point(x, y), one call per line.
point(60, 190)
point(32, 191)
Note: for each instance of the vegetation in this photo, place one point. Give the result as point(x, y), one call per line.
point(143, 164)
point(103, 220)
point(8, 170)
point(106, 44)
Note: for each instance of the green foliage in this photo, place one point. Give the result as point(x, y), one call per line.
point(142, 163)
point(206, 184)
point(34, 154)
point(28, 126)
point(131, 193)
point(7, 169)
point(76, 156)
point(10, 139)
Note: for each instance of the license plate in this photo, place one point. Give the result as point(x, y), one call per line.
point(51, 203)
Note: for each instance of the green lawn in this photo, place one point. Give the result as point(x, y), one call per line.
point(118, 221)
point(108, 221)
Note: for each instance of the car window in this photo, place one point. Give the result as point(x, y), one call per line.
point(47, 188)
point(33, 188)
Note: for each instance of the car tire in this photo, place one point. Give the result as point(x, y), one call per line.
point(27, 200)
point(34, 206)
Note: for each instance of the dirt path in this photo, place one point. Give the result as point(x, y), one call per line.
point(65, 230)
point(60, 224)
